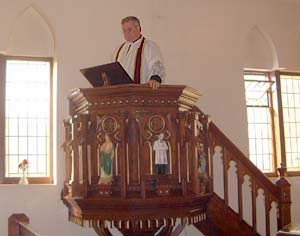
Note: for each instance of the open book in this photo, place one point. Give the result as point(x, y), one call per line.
point(107, 74)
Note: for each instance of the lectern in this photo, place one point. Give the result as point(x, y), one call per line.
point(136, 159)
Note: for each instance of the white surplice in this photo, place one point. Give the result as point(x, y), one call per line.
point(152, 62)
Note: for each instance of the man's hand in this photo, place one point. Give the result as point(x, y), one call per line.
point(153, 84)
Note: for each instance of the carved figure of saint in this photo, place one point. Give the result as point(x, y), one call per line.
point(201, 160)
point(161, 159)
point(106, 158)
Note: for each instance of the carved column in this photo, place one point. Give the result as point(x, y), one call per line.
point(123, 172)
point(183, 151)
point(132, 137)
point(68, 150)
point(75, 161)
point(194, 156)
point(93, 141)
point(140, 153)
point(83, 142)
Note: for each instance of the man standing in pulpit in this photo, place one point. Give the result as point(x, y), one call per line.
point(140, 57)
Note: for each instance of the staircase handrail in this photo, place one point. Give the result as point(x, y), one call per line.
point(18, 226)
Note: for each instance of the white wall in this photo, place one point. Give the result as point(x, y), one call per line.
point(206, 45)
point(295, 193)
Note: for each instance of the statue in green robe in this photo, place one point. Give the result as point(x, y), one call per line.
point(106, 160)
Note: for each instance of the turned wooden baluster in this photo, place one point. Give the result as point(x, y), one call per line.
point(240, 176)
point(268, 207)
point(284, 196)
point(225, 172)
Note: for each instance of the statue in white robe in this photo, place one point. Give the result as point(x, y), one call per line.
point(161, 158)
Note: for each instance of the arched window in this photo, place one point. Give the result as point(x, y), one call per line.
point(26, 86)
point(273, 107)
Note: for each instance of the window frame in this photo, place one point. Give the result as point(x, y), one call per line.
point(277, 75)
point(32, 180)
point(278, 137)
point(271, 110)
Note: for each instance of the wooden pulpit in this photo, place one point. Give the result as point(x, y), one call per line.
point(136, 159)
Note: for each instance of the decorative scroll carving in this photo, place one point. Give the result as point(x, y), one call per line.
point(109, 125)
point(156, 124)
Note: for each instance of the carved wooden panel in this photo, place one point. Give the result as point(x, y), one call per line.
point(138, 158)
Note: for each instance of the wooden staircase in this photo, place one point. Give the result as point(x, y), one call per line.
point(232, 173)
point(223, 221)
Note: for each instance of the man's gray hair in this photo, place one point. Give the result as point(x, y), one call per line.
point(134, 19)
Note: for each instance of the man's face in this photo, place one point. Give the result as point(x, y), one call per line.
point(131, 31)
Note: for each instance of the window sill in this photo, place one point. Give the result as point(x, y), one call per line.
point(271, 175)
point(293, 173)
point(21, 185)
point(31, 181)
point(288, 174)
